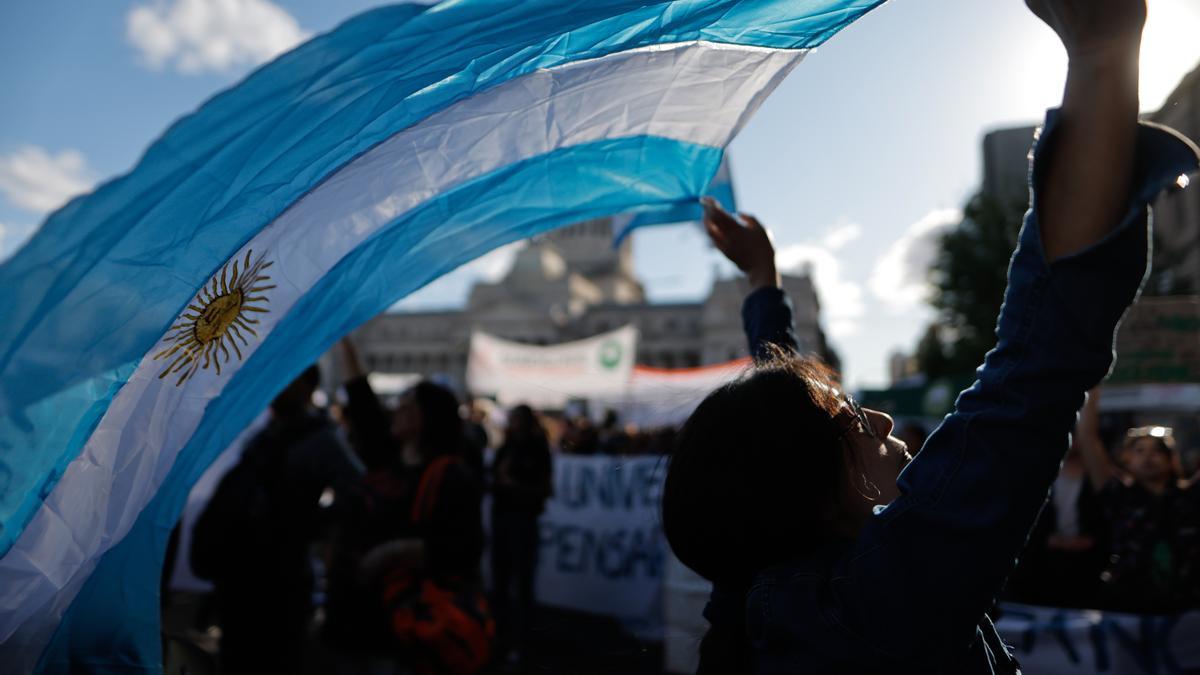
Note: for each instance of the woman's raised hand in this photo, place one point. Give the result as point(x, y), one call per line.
point(746, 244)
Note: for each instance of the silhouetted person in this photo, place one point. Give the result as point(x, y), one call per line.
point(417, 521)
point(1152, 516)
point(475, 440)
point(521, 475)
point(253, 539)
point(1061, 564)
point(613, 439)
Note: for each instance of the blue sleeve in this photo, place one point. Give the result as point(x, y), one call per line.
point(767, 320)
point(928, 566)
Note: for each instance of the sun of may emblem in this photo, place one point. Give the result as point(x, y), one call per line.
point(217, 319)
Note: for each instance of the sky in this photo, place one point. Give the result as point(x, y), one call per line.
point(856, 163)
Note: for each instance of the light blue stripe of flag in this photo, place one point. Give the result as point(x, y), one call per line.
point(689, 210)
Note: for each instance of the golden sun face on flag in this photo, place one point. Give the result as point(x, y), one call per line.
point(217, 320)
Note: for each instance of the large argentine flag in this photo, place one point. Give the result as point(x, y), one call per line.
point(150, 321)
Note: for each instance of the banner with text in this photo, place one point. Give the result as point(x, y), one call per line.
point(550, 376)
point(602, 549)
point(1050, 640)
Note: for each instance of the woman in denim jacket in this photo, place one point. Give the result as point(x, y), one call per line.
point(827, 554)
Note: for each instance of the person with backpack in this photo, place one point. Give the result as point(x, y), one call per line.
point(405, 590)
point(254, 539)
point(834, 549)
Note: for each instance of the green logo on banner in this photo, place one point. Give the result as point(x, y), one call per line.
point(610, 354)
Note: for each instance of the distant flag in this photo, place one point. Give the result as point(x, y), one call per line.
point(147, 323)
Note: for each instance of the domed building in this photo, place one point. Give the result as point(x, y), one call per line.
point(572, 284)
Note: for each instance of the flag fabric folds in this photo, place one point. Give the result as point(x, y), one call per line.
point(147, 323)
point(688, 210)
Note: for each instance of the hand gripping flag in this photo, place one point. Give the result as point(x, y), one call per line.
point(146, 323)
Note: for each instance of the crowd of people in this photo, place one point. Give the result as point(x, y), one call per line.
point(388, 499)
point(1121, 530)
point(386, 503)
point(578, 435)
point(359, 528)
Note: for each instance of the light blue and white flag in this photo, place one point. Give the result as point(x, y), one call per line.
point(147, 323)
point(687, 210)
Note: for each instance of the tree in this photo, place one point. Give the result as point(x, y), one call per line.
point(933, 360)
point(969, 275)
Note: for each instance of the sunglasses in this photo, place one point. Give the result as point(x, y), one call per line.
point(859, 416)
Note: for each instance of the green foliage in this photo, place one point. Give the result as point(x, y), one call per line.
point(933, 357)
point(968, 276)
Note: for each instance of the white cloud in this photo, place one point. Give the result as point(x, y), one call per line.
point(841, 298)
point(840, 235)
point(195, 36)
point(35, 180)
point(900, 277)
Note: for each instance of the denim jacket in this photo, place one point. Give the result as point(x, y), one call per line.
point(909, 595)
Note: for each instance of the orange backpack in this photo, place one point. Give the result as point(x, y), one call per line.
point(447, 625)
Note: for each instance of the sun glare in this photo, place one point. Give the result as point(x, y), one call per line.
point(1170, 48)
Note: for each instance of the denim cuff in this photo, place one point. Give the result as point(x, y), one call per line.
point(1078, 300)
point(1161, 157)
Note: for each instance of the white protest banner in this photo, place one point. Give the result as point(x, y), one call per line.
point(549, 376)
point(658, 397)
point(602, 549)
point(1064, 641)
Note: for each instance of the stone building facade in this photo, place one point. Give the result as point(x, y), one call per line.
point(1006, 164)
point(572, 284)
point(1176, 213)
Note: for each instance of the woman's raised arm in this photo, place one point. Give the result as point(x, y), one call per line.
point(1089, 168)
